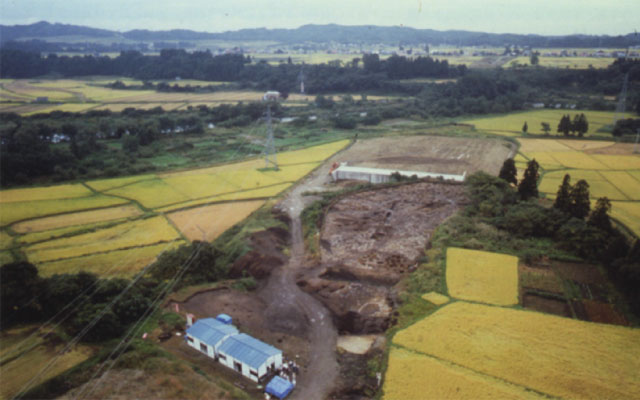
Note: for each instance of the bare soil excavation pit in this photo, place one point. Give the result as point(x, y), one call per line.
point(370, 240)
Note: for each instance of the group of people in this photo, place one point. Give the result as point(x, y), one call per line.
point(289, 371)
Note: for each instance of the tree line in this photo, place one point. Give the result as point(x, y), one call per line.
point(570, 222)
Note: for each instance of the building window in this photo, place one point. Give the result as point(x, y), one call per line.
point(204, 348)
point(190, 339)
point(222, 356)
point(254, 373)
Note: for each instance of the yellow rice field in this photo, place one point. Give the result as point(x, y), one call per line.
point(6, 240)
point(511, 124)
point(566, 62)
point(18, 211)
point(482, 276)
point(627, 213)
point(79, 218)
point(556, 356)
point(44, 193)
point(18, 373)
point(118, 263)
point(106, 184)
point(34, 237)
point(208, 222)
point(435, 298)
point(615, 176)
point(137, 233)
point(412, 375)
point(261, 193)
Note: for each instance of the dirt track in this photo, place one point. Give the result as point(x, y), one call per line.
point(289, 306)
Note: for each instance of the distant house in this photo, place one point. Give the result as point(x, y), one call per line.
point(220, 340)
point(42, 99)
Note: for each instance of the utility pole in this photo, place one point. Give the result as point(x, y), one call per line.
point(635, 146)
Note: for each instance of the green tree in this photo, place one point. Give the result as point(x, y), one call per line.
point(564, 126)
point(563, 198)
point(600, 215)
point(509, 172)
point(534, 58)
point(580, 203)
point(581, 124)
point(20, 287)
point(545, 127)
point(528, 187)
point(525, 127)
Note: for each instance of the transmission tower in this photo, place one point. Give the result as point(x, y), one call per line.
point(301, 79)
point(621, 107)
point(269, 147)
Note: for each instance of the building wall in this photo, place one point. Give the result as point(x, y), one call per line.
point(196, 345)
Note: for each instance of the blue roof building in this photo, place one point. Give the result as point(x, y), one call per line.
point(208, 334)
point(239, 351)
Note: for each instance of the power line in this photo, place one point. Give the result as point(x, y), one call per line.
point(96, 319)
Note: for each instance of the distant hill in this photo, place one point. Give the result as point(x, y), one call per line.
point(366, 34)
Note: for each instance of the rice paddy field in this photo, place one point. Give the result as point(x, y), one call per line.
point(115, 227)
point(481, 276)
point(511, 124)
point(611, 170)
point(566, 62)
point(467, 350)
point(21, 361)
point(85, 94)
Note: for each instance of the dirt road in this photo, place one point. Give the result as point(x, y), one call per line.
point(292, 310)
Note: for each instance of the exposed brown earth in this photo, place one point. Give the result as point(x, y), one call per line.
point(370, 240)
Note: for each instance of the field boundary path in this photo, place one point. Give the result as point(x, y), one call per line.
point(292, 307)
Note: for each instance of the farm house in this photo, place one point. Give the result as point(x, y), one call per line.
point(220, 340)
point(380, 175)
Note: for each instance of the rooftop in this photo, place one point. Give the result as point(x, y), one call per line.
point(248, 350)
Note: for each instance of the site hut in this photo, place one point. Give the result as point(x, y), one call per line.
point(206, 335)
point(251, 357)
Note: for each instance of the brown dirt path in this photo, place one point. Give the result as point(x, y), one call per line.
point(292, 310)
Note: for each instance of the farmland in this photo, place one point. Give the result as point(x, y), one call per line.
point(86, 94)
point(480, 276)
point(115, 227)
point(511, 124)
point(612, 171)
point(19, 355)
point(478, 343)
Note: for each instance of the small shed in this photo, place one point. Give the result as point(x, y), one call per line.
point(249, 356)
point(208, 334)
point(279, 387)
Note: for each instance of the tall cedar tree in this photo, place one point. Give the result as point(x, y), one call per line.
point(581, 125)
point(580, 204)
point(525, 127)
point(529, 184)
point(563, 198)
point(508, 172)
point(600, 215)
point(565, 125)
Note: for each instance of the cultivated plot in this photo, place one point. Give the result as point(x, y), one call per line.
point(511, 124)
point(208, 222)
point(482, 276)
point(551, 355)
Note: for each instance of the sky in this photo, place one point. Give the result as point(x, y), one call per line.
point(545, 17)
